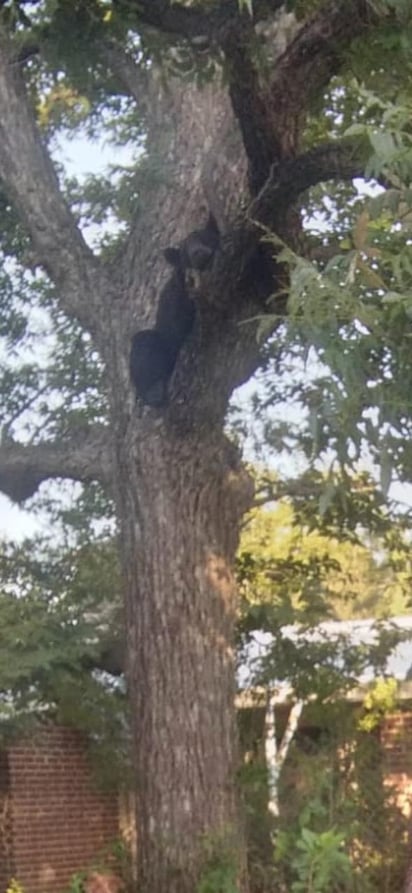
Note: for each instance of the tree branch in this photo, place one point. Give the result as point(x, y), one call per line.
point(131, 76)
point(310, 61)
point(251, 103)
point(84, 457)
point(287, 181)
point(30, 182)
point(272, 116)
point(338, 160)
point(192, 22)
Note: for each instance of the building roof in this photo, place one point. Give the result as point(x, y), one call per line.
point(353, 632)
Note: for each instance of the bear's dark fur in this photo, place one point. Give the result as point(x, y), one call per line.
point(151, 365)
point(176, 311)
point(154, 352)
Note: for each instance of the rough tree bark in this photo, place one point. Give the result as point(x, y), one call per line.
point(179, 486)
point(180, 620)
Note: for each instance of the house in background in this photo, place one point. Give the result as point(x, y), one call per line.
point(55, 821)
point(281, 719)
point(324, 761)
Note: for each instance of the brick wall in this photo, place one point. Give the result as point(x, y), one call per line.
point(6, 863)
point(396, 739)
point(59, 820)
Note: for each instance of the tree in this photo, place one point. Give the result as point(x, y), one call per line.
point(247, 146)
point(301, 564)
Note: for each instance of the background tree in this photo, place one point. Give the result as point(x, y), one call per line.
point(320, 811)
point(62, 647)
point(305, 563)
point(247, 146)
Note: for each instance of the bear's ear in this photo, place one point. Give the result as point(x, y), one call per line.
point(172, 255)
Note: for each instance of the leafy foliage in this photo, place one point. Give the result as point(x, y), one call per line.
point(61, 620)
point(339, 826)
point(320, 862)
point(297, 567)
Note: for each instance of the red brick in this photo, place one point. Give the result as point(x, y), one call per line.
point(59, 822)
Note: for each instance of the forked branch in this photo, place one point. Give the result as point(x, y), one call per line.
point(312, 58)
point(272, 114)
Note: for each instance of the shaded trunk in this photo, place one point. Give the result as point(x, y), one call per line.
point(181, 501)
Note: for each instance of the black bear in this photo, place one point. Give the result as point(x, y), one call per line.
point(176, 311)
point(151, 365)
point(154, 352)
point(198, 248)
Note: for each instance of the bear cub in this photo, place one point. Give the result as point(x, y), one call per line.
point(151, 365)
point(154, 352)
point(176, 311)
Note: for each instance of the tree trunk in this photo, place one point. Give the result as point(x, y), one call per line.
point(181, 500)
point(181, 492)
